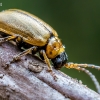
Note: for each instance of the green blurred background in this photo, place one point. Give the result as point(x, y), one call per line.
point(78, 25)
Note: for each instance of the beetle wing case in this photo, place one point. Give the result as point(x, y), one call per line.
point(18, 22)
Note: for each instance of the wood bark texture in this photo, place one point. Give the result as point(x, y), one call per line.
point(18, 82)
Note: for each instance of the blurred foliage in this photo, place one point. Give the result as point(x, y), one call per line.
point(77, 23)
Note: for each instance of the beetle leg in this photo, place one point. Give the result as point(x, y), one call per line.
point(7, 38)
point(19, 42)
point(49, 66)
point(47, 60)
point(17, 57)
point(41, 55)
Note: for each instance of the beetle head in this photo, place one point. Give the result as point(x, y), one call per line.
point(60, 60)
point(56, 52)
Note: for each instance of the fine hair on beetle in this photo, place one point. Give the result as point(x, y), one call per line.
point(34, 35)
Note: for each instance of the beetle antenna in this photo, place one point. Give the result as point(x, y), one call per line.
point(75, 65)
point(80, 67)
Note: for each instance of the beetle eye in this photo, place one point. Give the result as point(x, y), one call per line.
point(60, 60)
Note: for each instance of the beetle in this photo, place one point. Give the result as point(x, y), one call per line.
point(33, 34)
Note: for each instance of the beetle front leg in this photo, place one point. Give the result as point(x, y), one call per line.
point(49, 65)
point(46, 60)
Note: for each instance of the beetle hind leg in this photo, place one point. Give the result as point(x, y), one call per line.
point(8, 38)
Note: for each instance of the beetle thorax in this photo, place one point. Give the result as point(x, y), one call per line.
point(53, 48)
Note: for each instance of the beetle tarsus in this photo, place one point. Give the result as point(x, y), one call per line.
point(54, 76)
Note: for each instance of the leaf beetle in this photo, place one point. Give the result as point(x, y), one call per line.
point(33, 34)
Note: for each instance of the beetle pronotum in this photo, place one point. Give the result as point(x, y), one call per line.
point(33, 34)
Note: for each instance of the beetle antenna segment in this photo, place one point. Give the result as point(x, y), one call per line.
point(79, 67)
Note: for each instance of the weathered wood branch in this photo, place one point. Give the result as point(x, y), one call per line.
point(17, 82)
